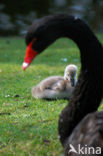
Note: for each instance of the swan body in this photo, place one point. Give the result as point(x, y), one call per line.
point(57, 87)
point(88, 91)
point(88, 133)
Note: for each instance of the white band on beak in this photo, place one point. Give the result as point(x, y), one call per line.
point(25, 65)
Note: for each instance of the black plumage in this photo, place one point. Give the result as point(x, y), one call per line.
point(89, 89)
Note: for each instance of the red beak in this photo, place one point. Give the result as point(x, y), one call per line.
point(30, 55)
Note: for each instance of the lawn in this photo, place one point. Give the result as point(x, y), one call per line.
point(28, 127)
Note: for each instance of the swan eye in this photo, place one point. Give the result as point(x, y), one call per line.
point(34, 40)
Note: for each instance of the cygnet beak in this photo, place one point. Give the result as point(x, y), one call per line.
point(72, 82)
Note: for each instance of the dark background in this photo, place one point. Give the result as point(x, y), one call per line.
point(17, 15)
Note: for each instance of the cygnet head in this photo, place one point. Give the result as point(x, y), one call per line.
point(70, 74)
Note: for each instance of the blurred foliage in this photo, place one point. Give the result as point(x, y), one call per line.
point(16, 16)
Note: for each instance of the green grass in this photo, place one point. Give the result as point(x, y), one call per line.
point(28, 127)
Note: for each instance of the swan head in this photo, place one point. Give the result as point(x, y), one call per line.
point(44, 32)
point(70, 74)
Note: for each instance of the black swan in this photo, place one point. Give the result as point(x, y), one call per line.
point(57, 87)
point(89, 88)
